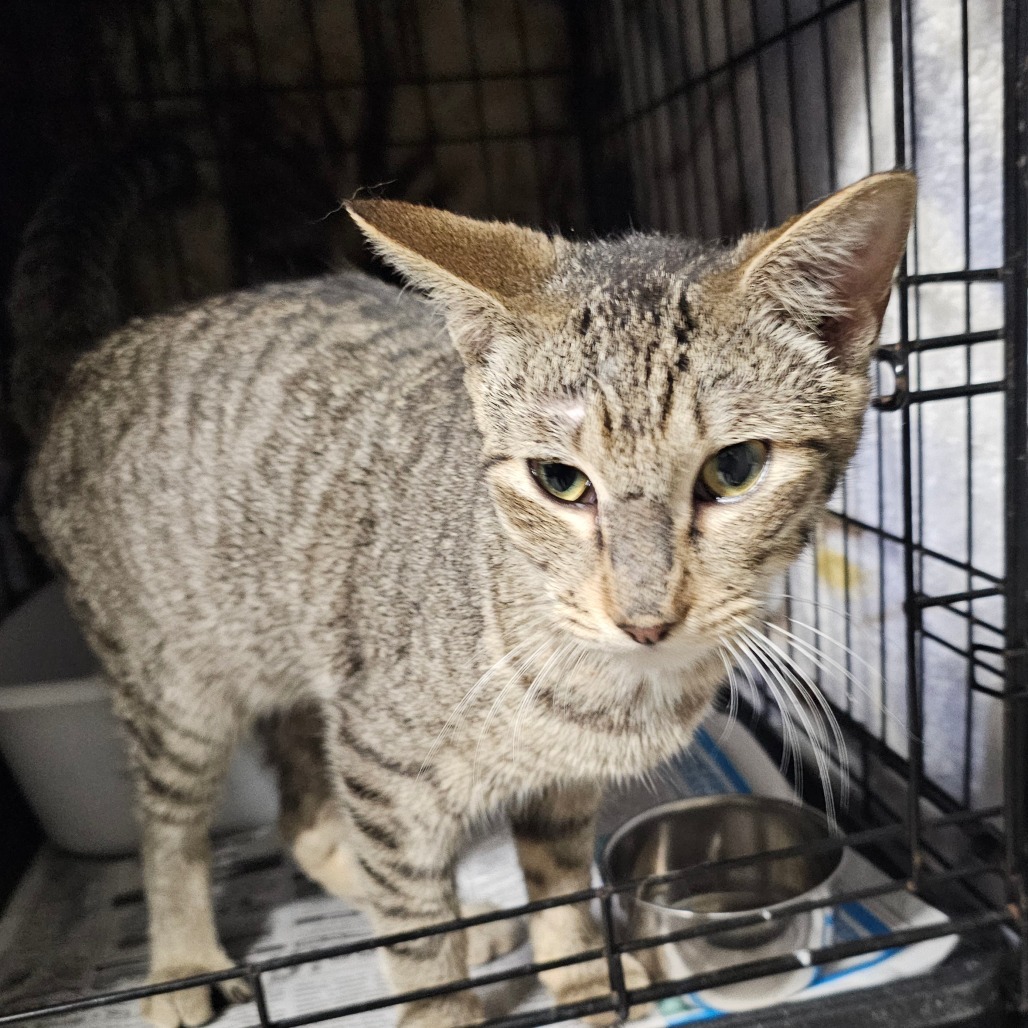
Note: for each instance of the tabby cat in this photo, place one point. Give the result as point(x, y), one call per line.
point(473, 549)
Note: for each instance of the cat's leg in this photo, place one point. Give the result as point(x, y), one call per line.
point(402, 844)
point(320, 846)
point(310, 816)
point(179, 753)
point(555, 835)
point(313, 825)
point(405, 887)
point(494, 938)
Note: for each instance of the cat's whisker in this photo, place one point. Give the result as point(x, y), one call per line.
point(818, 605)
point(791, 750)
point(828, 716)
point(520, 714)
point(810, 719)
point(745, 669)
point(563, 674)
point(808, 600)
point(578, 629)
point(555, 661)
point(826, 720)
point(875, 672)
point(658, 779)
point(511, 682)
point(798, 684)
point(465, 702)
point(770, 664)
point(567, 687)
point(828, 608)
point(815, 730)
point(728, 617)
point(819, 658)
point(733, 697)
point(487, 676)
point(744, 654)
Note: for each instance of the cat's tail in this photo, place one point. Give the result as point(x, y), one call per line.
point(64, 296)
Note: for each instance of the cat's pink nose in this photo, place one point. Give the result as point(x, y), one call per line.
point(649, 635)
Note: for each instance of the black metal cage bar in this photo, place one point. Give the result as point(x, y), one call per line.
point(1015, 234)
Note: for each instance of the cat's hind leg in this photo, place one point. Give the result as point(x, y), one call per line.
point(179, 751)
point(555, 834)
point(311, 820)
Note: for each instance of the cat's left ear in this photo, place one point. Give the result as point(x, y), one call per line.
point(830, 270)
point(482, 273)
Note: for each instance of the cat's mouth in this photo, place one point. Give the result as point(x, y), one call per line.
point(673, 640)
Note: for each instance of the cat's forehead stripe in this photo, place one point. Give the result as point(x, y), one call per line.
point(654, 364)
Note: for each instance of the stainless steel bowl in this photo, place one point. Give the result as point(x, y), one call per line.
point(698, 832)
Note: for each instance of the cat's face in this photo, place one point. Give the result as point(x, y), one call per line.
point(660, 456)
point(662, 423)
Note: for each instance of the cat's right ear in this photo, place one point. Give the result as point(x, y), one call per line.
point(482, 273)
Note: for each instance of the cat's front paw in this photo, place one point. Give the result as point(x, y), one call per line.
point(187, 1008)
point(589, 980)
point(493, 939)
point(457, 1011)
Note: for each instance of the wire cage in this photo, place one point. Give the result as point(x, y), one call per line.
point(707, 118)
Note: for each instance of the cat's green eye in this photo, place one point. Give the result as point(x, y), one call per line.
point(733, 471)
point(562, 481)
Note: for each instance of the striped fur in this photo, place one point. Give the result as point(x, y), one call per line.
point(303, 504)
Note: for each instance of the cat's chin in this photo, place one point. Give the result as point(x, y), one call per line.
point(669, 657)
point(668, 674)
